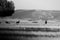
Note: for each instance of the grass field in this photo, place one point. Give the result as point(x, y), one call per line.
point(40, 24)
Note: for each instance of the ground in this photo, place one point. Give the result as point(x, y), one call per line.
point(50, 24)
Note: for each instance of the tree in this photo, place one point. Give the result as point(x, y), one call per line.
point(6, 8)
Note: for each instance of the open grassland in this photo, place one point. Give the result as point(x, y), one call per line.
point(21, 35)
point(26, 23)
point(13, 31)
point(35, 14)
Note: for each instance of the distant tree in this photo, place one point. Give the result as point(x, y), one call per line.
point(6, 8)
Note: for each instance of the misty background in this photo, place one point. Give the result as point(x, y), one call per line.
point(37, 4)
point(34, 9)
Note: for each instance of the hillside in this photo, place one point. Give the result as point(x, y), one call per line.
point(23, 14)
point(36, 14)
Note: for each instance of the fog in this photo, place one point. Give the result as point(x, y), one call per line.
point(37, 4)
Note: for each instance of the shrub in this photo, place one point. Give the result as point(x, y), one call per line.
point(6, 8)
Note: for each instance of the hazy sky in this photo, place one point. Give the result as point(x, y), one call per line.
point(37, 4)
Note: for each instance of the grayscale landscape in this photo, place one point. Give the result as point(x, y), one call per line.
point(29, 19)
point(33, 19)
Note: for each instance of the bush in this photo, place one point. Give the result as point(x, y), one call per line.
point(6, 8)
